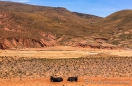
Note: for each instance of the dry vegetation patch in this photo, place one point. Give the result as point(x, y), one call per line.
point(13, 67)
point(17, 70)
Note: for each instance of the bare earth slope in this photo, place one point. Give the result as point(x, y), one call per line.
point(31, 36)
point(42, 26)
point(29, 26)
point(117, 27)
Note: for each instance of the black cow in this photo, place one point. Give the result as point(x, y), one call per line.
point(72, 79)
point(56, 79)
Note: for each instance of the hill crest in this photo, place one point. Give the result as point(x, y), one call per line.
point(23, 25)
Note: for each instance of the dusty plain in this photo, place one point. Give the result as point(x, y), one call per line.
point(63, 52)
point(66, 52)
point(83, 81)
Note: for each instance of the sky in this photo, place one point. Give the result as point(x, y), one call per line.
point(100, 8)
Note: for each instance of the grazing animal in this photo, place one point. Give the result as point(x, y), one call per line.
point(72, 79)
point(56, 79)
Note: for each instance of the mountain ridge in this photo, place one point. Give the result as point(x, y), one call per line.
point(23, 25)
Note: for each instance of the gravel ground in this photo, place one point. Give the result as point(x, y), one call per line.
point(104, 66)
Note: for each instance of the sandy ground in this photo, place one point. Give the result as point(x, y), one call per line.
point(83, 81)
point(65, 52)
point(62, 52)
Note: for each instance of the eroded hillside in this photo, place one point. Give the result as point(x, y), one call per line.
point(118, 27)
point(30, 26)
point(39, 26)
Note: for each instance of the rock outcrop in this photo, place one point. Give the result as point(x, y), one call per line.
point(8, 43)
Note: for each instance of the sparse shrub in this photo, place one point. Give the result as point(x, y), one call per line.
point(101, 65)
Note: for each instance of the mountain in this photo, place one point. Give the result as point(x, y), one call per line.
point(118, 26)
point(30, 26)
point(23, 25)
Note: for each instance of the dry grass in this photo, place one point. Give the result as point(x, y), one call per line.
point(62, 23)
point(57, 20)
point(35, 71)
point(95, 65)
point(63, 52)
point(85, 80)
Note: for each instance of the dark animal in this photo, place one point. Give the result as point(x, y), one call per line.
point(56, 79)
point(72, 79)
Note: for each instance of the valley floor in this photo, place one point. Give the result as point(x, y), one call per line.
point(60, 52)
point(63, 52)
point(83, 81)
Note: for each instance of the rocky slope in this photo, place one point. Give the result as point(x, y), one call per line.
point(15, 36)
point(30, 26)
point(118, 27)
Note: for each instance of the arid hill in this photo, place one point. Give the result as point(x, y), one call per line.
point(25, 25)
point(118, 27)
point(30, 26)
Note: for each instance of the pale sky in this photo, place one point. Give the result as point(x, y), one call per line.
point(101, 8)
